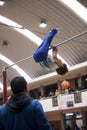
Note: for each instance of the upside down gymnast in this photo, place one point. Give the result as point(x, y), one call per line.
point(48, 62)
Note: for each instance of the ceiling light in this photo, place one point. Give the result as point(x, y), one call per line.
point(69, 114)
point(78, 8)
point(86, 79)
point(43, 23)
point(2, 2)
point(5, 43)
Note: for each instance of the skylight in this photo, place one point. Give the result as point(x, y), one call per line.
point(78, 8)
point(20, 29)
point(2, 2)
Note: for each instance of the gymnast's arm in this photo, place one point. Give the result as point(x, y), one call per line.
point(55, 58)
point(62, 67)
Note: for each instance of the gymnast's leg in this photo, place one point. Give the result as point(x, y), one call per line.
point(42, 51)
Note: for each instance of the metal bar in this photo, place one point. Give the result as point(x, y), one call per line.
point(78, 35)
point(18, 62)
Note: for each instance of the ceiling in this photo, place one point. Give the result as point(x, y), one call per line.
point(29, 13)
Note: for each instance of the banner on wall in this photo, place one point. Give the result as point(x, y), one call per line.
point(65, 101)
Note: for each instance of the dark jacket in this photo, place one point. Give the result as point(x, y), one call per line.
point(23, 113)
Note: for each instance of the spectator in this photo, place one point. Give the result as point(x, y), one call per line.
point(77, 128)
point(21, 112)
point(53, 127)
point(57, 92)
point(68, 127)
point(50, 94)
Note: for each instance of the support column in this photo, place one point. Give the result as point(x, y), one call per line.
point(79, 82)
point(59, 86)
point(62, 121)
point(84, 118)
point(42, 90)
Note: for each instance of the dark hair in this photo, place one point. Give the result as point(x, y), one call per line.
point(18, 85)
point(62, 69)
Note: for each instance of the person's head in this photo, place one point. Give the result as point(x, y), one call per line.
point(50, 92)
point(62, 70)
point(18, 85)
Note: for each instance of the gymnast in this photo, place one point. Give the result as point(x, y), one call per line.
point(46, 61)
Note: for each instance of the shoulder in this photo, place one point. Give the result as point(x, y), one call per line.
point(3, 109)
point(36, 104)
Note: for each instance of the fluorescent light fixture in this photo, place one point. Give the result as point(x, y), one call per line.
point(2, 2)
point(23, 31)
point(78, 8)
point(43, 23)
point(19, 70)
point(9, 22)
point(69, 114)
